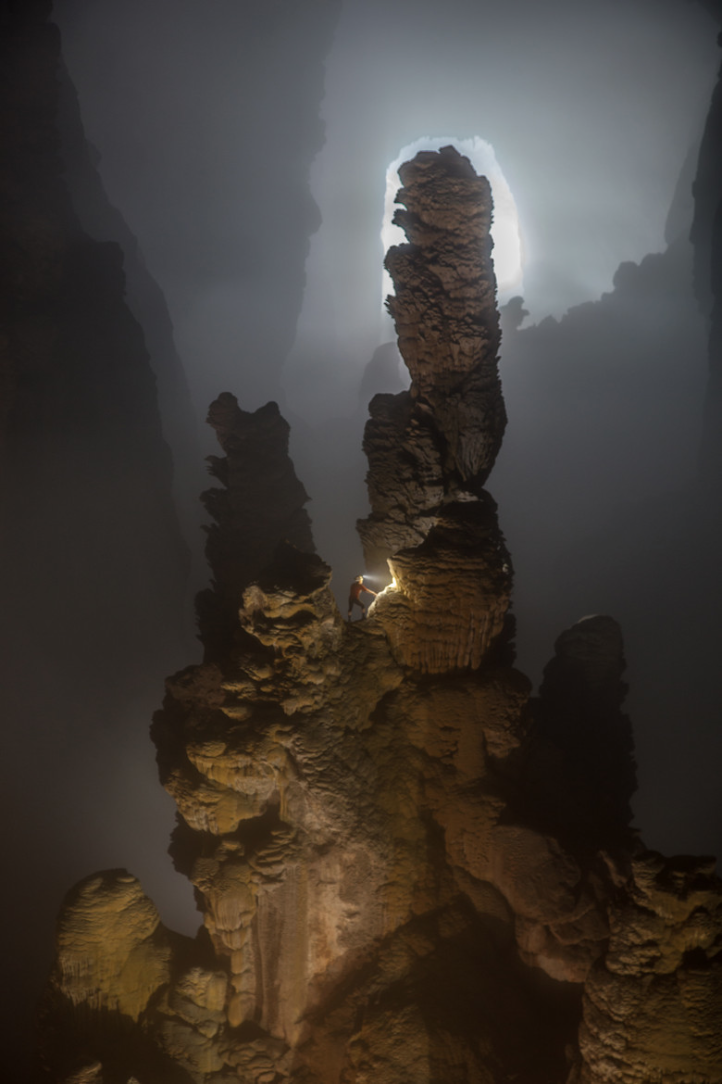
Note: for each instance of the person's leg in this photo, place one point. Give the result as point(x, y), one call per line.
point(355, 602)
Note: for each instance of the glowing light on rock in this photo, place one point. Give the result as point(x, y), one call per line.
point(508, 249)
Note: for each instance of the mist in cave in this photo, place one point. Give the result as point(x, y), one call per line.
point(237, 156)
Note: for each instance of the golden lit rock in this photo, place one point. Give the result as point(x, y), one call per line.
point(651, 1008)
point(112, 952)
point(450, 594)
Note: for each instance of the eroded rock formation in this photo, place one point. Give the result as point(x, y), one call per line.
point(260, 503)
point(431, 448)
point(436, 443)
point(651, 1008)
point(391, 886)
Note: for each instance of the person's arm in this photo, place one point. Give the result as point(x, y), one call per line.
point(369, 592)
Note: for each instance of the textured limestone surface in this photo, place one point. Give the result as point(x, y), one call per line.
point(651, 1007)
point(112, 951)
point(437, 442)
point(379, 821)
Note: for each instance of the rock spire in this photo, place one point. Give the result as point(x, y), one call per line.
point(436, 443)
point(432, 527)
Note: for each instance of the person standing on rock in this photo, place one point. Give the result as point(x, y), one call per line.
point(354, 596)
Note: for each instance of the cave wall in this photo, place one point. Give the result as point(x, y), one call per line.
point(611, 400)
point(94, 568)
point(232, 94)
point(101, 221)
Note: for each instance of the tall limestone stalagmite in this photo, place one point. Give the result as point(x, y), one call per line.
point(436, 443)
point(430, 449)
point(379, 822)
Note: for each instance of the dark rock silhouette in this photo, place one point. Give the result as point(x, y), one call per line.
point(578, 773)
point(94, 568)
point(705, 235)
point(144, 298)
point(261, 503)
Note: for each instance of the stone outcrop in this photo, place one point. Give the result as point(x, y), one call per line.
point(390, 890)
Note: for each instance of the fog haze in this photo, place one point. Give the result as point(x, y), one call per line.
point(247, 146)
point(242, 147)
point(591, 112)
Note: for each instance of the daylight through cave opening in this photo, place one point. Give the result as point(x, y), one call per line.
point(508, 253)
